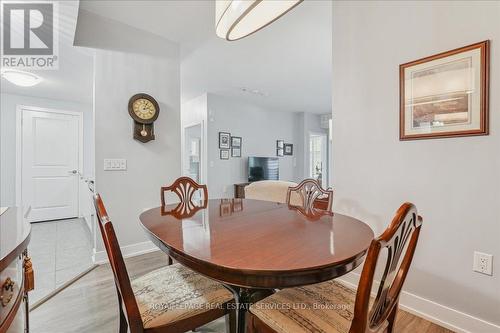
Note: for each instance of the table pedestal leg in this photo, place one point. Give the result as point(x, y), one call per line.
point(244, 297)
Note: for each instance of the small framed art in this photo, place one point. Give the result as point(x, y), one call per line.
point(288, 149)
point(235, 152)
point(279, 152)
point(224, 140)
point(280, 144)
point(236, 141)
point(224, 154)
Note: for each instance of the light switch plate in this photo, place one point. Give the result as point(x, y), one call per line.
point(115, 164)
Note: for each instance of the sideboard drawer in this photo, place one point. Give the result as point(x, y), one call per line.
point(11, 279)
point(18, 324)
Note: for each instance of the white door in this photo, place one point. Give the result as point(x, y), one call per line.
point(50, 164)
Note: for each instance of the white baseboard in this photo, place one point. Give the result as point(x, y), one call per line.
point(100, 257)
point(439, 314)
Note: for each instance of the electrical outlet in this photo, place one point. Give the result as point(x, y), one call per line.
point(483, 263)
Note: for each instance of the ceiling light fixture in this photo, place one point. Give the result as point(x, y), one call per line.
point(235, 19)
point(21, 78)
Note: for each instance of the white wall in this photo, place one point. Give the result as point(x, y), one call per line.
point(149, 165)
point(259, 130)
point(129, 61)
point(289, 60)
point(455, 183)
point(195, 112)
point(8, 138)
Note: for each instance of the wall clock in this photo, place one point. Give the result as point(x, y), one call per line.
point(144, 110)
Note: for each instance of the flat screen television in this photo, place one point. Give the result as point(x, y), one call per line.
point(263, 168)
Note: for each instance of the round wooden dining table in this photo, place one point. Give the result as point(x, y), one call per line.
point(254, 247)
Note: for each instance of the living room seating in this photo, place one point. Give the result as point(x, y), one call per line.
point(269, 190)
point(334, 307)
point(169, 299)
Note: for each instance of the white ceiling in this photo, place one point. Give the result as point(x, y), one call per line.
point(73, 81)
point(186, 22)
point(288, 62)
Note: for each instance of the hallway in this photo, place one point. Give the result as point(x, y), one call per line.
point(60, 250)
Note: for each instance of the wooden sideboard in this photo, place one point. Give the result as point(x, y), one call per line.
point(239, 190)
point(16, 274)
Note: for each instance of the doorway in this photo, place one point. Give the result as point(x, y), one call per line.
point(49, 187)
point(318, 158)
point(192, 152)
point(52, 159)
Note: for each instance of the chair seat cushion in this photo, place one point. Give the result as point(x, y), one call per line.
point(324, 307)
point(173, 293)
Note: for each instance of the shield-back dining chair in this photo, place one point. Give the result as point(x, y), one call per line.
point(185, 188)
point(334, 307)
point(170, 299)
point(310, 195)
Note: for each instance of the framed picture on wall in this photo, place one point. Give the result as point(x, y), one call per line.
point(224, 154)
point(236, 141)
point(279, 152)
point(288, 150)
point(445, 95)
point(235, 152)
point(224, 140)
point(280, 144)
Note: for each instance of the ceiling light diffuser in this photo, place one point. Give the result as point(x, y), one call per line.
point(21, 78)
point(235, 19)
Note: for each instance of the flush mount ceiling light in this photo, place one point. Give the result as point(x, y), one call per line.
point(235, 19)
point(20, 78)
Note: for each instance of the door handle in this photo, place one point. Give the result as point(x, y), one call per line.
point(74, 172)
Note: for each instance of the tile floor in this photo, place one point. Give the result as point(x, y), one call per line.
point(59, 250)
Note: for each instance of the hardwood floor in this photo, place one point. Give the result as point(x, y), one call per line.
point(406, 322)
point(90, 305)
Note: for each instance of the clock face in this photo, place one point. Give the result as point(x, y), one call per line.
point(144, 108)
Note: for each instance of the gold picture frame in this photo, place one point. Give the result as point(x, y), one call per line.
point(445, 95)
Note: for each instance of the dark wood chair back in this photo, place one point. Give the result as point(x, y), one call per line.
point(124, 289)
point(309, 190)
point(185, 188)
point(400, 240)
